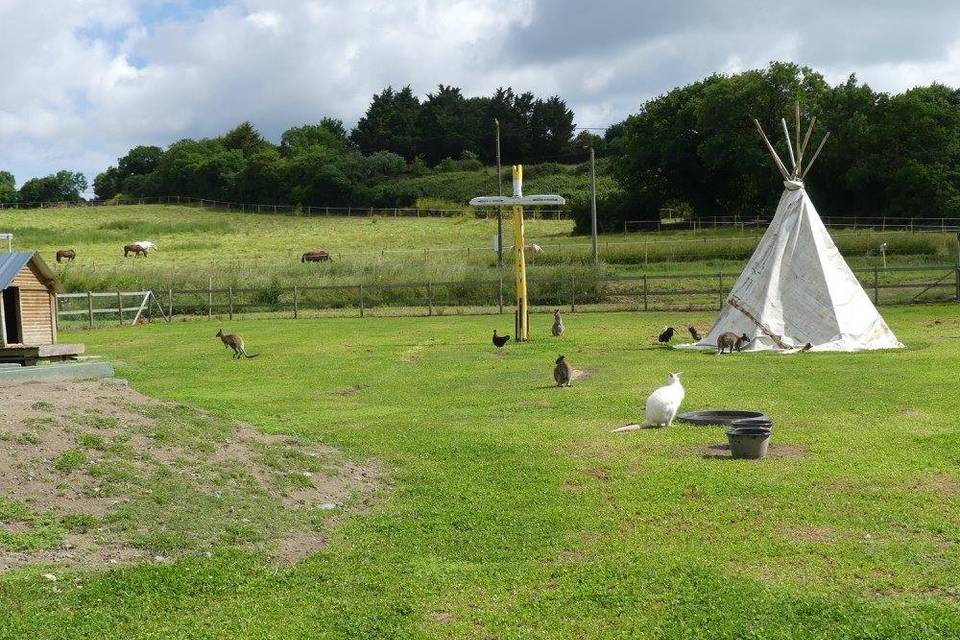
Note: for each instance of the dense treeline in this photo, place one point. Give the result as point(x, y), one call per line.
point(695, 149)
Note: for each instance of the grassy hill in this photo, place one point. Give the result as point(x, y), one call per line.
point(197, 247)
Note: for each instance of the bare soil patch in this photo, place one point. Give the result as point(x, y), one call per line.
point(95, 473)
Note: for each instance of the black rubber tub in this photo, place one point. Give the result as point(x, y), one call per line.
point(722, 416)
point(749, 439)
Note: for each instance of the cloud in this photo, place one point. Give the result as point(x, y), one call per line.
point(85, 81)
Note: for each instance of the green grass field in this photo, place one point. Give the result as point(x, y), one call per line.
point(198, 247)
point(512, 511)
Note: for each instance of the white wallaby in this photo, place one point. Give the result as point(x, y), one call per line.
point(662, 405)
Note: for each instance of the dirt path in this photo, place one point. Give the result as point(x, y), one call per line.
point(93, 473)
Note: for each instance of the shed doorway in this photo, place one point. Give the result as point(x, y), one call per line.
point(11, 316)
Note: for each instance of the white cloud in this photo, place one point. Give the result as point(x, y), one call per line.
point(84, 80)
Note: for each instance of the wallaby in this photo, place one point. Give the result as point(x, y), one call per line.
point(562, 373)
point(235, 342)
point(731, 341)
point(557, 324)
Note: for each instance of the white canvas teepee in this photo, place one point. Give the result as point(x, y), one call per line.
point(797, 288)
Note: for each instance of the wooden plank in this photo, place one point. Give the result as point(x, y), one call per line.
point(51, 350)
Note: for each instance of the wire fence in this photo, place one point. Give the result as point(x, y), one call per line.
point(646, 292)
point(285, 209)
point(742, 223)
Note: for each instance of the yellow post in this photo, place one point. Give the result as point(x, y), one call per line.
point(520, 259)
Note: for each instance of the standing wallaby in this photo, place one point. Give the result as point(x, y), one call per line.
point(557, 329)
point(562, 373)
point(731, 341)
point(235, 342)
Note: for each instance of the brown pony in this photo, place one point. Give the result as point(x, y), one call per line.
point(315, 256)
point(135, 249)
point(66, 254)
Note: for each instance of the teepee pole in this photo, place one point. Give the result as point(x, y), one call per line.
point(806, 139)
point(793, 158)
point(773, 152)
point(816, 153)
point(796, 140)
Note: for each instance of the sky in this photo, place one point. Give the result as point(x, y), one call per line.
point(83, 81)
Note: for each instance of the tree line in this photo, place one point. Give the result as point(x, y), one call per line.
point(696, 150)
point(693, 151)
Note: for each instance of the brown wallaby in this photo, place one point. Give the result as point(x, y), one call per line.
point(235, 342)
point(562, 373)
point(731, 342)
point(557, 329)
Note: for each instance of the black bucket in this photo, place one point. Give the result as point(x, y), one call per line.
point(750, 438)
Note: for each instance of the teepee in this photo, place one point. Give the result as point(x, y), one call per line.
point(797, 289)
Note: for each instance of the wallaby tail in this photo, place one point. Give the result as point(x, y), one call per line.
point(250, 356)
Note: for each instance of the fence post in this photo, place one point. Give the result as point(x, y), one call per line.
point(720, 288)
point(170, 304)
point(958, 283)
point(230, 292)
point(644, 292)
point(361, 299)
point(90, 308)
point(210, 297)
point(573, 295)
point(500, 293)
point(429, 298)
point(876, 285)
point(296, 301)
point(120, 308)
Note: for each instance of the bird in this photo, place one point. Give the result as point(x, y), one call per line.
point(662, 405)
point(499, 341)
point(807, 347)
point(694, 333)
point(562, 373)
point(667, 335)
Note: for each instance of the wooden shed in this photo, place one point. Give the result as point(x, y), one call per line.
point(28, 310)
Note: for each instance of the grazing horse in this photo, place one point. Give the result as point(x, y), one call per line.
point(315, 256)
point(66, 254)
point(138, 247)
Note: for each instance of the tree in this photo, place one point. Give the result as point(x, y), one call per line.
point(551, 127)
point(442, 126)
point(63, 186)
point(329, 133)
point(139, 160)
point(8, 187)
point(390, 124)
point(107, 184)
point(246, 139)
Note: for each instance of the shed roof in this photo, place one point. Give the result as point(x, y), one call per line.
point(12, 263)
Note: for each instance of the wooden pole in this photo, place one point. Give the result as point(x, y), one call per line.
point(120, 307)
point(429, 298)
point(170, 304)
point(230, 293)
point(296, 301)
point(876, 286)
point(815, 154)
point(644, 292)
point(90, 309)
point(773, 152)
point(361, 299)
point(209, 297)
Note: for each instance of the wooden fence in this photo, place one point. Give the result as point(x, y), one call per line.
point(644, 292)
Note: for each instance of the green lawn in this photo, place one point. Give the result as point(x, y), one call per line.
point(512, 511)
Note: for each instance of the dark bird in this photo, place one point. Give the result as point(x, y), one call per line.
point(562, 373)
point(695, 334)
point(667, 335)
point(807, 347)
point(499, 341)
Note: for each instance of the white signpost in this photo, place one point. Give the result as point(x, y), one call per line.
point(517, 201)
